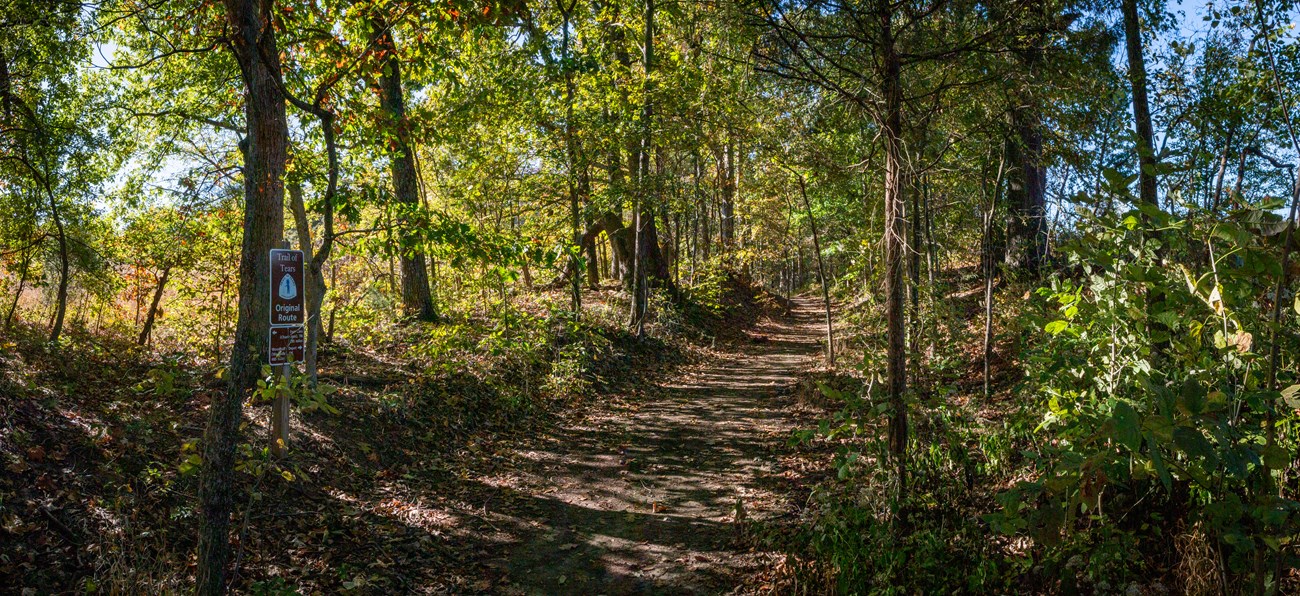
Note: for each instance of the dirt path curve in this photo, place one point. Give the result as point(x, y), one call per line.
point(641, 496)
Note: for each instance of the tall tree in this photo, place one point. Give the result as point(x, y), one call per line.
point(417, 298)
point(45, 133)
point(643, 223)
point(253, 42)
point(858, 53)
point(1027, 184)
point(571, 161)
point(890, 120)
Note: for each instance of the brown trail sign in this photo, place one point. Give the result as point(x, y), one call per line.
point(287, 344)
point(287, 338)
point(286, 287)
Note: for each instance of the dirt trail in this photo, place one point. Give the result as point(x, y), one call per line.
point(641, 495)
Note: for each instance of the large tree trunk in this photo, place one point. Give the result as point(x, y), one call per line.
point(620, 239)
point(1217, 199)
point(253, 42)
point(6, 88)
point(989, 266)
point(1027, 203)
point(654, 260)
point(891, 121)
point(620, 236)
point(1137, 74)
point(620, 242)
point(593, 261)
point(417, 298)
point(153, 307)
point(931, 261)
point(912, 213)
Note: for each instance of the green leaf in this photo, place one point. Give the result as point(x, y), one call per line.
point(1192, 442)
point(1275, 457)
point(1056, 327)
point(1158, 461)
point(1191, 400)
point(1127, 430)
point(829, 392)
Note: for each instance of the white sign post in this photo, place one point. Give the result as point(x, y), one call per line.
point(286, 340)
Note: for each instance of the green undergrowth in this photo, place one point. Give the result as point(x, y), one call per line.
point(1133, 440)
point(723, 302)
point(852, 534)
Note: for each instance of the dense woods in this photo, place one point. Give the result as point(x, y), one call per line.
point(933, 296)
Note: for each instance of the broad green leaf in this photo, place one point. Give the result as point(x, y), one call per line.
point(1192, 442)
point(1275, 457)
point(1191, 400)
point(1127, 431)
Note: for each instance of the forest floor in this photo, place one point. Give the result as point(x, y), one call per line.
point(659, 476)
point(649, 493)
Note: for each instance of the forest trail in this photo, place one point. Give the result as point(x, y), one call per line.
point(641, 495)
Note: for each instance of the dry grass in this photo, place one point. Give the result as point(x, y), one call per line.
point(1198, 571)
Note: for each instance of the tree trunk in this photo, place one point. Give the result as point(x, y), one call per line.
point(821, 273)
point(593, 261)
point(314, 280)
point(153, 307)
point(643, 218)
point(913, 217)
point(253, 42)
point(417, 298)
point(620, 243)
point(989, 267)
point(620, 236)
point(1027, 198)
point(930, 259)
point(891, 120)
point(1219, 175)
point(61, 298)
point(6, 88)
point(22, 281)
point(593, 267)
point(575, 218)
point(727, 207)
point(1137, 75)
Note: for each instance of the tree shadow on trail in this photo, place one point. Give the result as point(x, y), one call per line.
point(645, 500)
point(570, 548)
